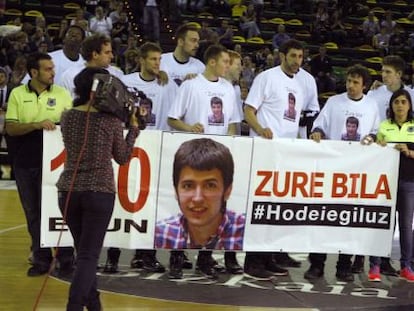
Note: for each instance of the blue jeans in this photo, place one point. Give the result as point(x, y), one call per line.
point(88, 215)
point(29, 181)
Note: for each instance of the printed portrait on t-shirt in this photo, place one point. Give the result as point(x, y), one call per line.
point(351, 130)
point(150, 117)
point(290, 112)
point(217, 116)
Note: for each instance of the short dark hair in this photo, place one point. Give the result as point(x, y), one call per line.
point(92, 44)
point(213, 52)
point(148, 47)
point(394, 61)
point(361, 71)
point(83, 84)
point(396, 94)
point(182, 30)
point(290, 44)
point(33, 60)
point(77, 27)
point(216, 100)
point(204, 154)
point(352, 120)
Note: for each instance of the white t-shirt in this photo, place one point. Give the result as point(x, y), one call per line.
point(177, 71)
point(69, 75)
point(382, 96)
point(269, 95)
point(162, 97)
point(332, 120)
point(308, 82)
point(62, 63)
point(193, 104)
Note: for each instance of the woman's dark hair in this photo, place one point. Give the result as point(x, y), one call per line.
point(396, 94)
point(83, 84)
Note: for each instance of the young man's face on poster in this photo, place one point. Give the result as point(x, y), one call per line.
point(200, 195)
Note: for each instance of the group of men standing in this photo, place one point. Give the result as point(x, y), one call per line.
point(186, 95)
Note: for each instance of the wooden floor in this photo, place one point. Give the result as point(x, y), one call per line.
point(19, 292)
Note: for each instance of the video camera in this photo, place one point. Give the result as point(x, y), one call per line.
point(114, 97)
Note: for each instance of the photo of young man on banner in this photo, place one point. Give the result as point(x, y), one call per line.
point(202, 175)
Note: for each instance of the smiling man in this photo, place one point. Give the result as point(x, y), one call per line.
point(203, 177)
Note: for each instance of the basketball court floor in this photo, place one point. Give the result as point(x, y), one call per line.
point(137, 290)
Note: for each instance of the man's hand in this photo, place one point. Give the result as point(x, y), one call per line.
point(265, 133)
point(376, 84)
point(197, 128)
point(162, 78)
point(316, 136)
point(46, 125)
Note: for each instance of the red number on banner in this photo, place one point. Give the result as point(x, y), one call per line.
point(58, 161)
point(144, 186)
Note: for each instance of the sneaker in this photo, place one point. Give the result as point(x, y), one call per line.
point(407, 274)
point(275, 268)
point(37, 270)
point(344, 275)
point(387, 269)
point(232, 266)
point(207, 270)
point(111, 265)
point(358, 265)
point(187, 262)
point(151, 264)
point(374, 274)
point(284, 260)
point(136, 262)
point(313, 273)
point(176, 265)
point(258, 273)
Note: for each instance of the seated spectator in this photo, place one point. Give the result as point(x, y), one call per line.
point(238, 9)
point(115, 15)
point(100, 23)
point(120, 33)
point(280, 37)
point(220, 7)
point(249, 71)
point(225, 34)
point(321, 69)
point(38, 37)
point(197, 5)
point(389, 23)
point(321, 26)
point(205, 32)
point(370, 27)
point(397, 42)
point(248, 22)
point(80, 19)
point(58, 39)
point(338, 32)
point(381, 40)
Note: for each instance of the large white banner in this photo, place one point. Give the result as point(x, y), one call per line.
point(297, 195)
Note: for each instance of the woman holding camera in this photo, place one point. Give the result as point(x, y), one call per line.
point(86, 186)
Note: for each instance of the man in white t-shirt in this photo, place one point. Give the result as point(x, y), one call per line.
point(264, 111)
point(190, 113)
point(159, 99)
point(69, 56)
point(393, 67)
point(181, 63)
point(161, 95)
point(333, 122)
point(97, 52)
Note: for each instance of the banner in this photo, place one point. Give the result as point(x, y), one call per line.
point(287, 194)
